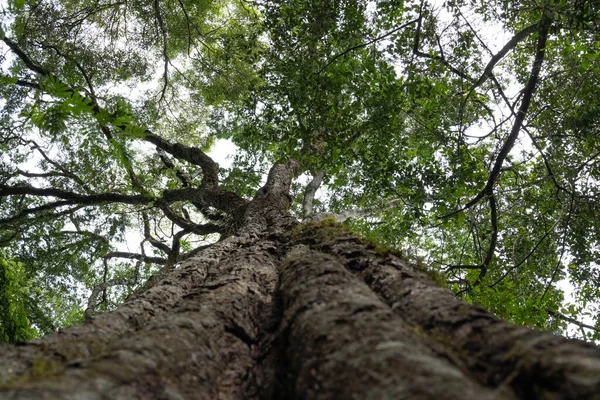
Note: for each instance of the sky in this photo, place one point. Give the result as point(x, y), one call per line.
point(222, 152)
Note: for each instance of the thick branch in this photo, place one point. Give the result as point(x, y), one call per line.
point(92, 199)
point(185, 181)
point(46, 207)
point(228, 202)
point(189, 226)
point(193, 155)
point(25, 58)
point(511, 44)
point(309, 193)
point(136, 256)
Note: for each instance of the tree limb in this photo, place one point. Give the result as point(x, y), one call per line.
point(573, 321)
point(40, 209)
point(92, 199)
point(135, 256)
point(193, 155)
point(350, 49)
point(189, 226)
point(309, 193)
point(29, 63)
point(163, 30)
point(528, 91)
point(511, 44)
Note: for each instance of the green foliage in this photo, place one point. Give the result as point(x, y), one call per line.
point(15, 288)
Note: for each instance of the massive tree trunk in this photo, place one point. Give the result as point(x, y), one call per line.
point(282, 311)
point(310, 312)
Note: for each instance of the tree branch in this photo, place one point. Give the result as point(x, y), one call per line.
point(309, 193)
point(189, 226)
point(528, 91)
point(163, 30)
point(511, 44)
point(571, 320)
point(40, 209)
point(25, 58)
point(350, 49)
point(136, 256)
point(193, 155)
point(92, 199)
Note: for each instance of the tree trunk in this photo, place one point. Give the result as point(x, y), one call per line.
point(307, 312)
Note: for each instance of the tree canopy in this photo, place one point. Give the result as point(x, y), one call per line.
point(462, 132)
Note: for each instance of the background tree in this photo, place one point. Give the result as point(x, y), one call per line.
point(109, 109)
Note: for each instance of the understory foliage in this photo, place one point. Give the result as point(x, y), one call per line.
point(464, 133)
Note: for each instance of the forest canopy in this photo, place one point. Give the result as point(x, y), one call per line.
point(464, 133)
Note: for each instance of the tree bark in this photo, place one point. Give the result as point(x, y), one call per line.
point(305, 312)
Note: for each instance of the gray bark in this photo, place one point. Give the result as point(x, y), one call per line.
point(281, 311)
point(193, 334)
point(497, 354)
point(343, 342)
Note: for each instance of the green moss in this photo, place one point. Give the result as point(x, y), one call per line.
point(328, 222)
point(435, 277)
point(420, 331)
point(328, 230)
point(40, 368)
point(383, 249)
point(431, 273)
point(322, 231)
point(43, 367)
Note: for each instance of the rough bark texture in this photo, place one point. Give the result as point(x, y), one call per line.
point(191, 335)
point(497, 354)
point(343, 342)
point(305, 312)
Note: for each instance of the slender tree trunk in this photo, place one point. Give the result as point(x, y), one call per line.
point(306, 312)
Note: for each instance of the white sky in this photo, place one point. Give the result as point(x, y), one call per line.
point(223, 152)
